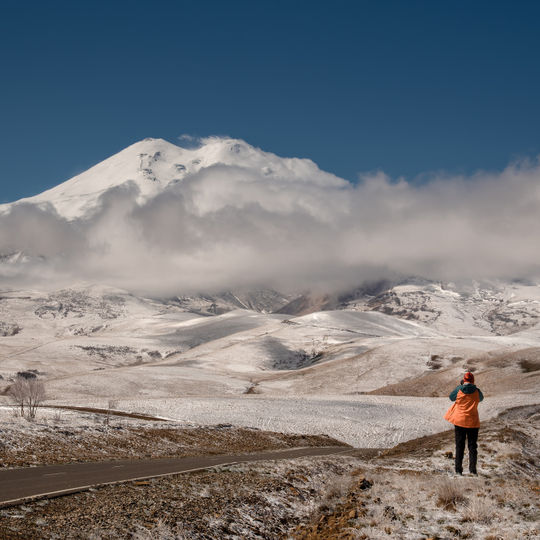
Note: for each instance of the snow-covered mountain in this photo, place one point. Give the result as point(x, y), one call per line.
point(225, 208)
point(155, 164)
point(493, 307)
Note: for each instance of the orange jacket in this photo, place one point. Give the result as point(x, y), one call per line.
point(464, 410)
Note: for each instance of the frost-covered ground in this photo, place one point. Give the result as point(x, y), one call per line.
point(412, 492)
point(63, 436)
point(407, 492)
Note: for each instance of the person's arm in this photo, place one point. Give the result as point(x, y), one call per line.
point(453, 395)
point(480, 394)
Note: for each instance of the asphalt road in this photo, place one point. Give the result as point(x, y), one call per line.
point(27, 483)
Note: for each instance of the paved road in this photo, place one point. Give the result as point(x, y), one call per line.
point(23, 484)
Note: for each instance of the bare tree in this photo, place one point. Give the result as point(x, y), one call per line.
point(17, 392)
point(27, 394)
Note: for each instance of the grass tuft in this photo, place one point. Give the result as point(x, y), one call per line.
point(450, 493)
point(479, 510)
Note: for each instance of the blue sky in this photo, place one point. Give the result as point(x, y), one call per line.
point(403, 86)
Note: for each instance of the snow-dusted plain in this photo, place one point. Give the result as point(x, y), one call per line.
point(361, 421)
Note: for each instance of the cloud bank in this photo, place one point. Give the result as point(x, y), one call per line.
point(230, 227)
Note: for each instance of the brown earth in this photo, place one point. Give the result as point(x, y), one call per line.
point(339, 522)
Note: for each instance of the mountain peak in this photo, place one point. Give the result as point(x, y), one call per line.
point(153, 164)
point(150, 143)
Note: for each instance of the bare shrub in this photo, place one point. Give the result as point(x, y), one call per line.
point(16, 411)
point(336, 487)
point(17, 393)
point(479, 510)
point(27, 394)
point(112, 405)
point(434, 362)
point(450, 493)
point(35, 395)
point(528, 365)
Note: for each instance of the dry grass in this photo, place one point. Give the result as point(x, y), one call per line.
point(335, 489)
point(479, 510)
point(249, 500)
point(161, 531)
point(413, 505)
point(413, 497)
point(450, 493)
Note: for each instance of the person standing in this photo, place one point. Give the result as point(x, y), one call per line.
point(464, 415)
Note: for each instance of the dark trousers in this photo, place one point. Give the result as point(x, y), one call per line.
point(471, 434)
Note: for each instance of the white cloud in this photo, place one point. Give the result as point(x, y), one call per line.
point(231, 227)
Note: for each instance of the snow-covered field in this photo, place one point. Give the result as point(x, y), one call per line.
point(362, 421)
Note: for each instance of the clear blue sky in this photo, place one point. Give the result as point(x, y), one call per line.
point(404, 86)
